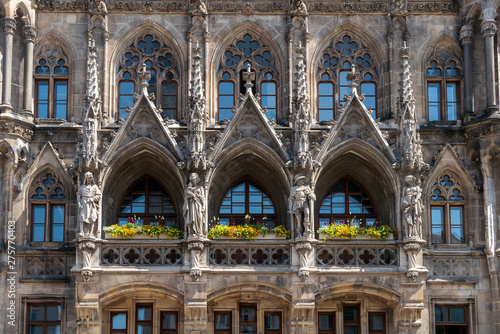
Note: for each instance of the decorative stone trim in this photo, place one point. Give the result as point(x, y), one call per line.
point(357, 255)
point(143, 254)
point(249, 255)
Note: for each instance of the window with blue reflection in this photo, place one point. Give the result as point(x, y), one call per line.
point(44, 319)
point(126, 91)
point(247, 198)
point(347, 202)
point(42, 99)
point(146, 202)
point(269, 96)
point(48, 201)
point(325, 98)
point(169, 98)
point(51, 87)
point(61, 99)
point(118, 322)
point(447, 211)
point(369, 89)
point(443, 88)
point(226, 97)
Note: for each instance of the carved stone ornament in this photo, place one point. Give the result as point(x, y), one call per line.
point(97, 7)
point(412, 249)
point(412, 207)
point(198, 7)
point(489, 28)
point(89, 197)
point(299, 205)
point(87, 246)
point(195, 247)
point(8, 25)
point(303, 248)
point(87, 316)
point(194, 208)
point(29, 34)
point(466, 34)
point(298, 8)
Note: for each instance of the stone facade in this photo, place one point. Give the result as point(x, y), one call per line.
point(397, 98)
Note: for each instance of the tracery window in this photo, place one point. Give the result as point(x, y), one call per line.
point(443, 86)
point(242, 51)
point(347, 202)
point(447, 211)
point(161, 63)
point(148, 202)
point(331, 75)
point(48, 204)
point(245, 199)
point(51, 83)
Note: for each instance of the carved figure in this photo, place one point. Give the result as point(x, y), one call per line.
point(413, 207)
point(299, 207)
point(194, 206)
point(298, 8)
point(88, 196)
point(199, 7)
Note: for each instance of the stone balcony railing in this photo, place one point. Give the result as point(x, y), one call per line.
point(233, 252)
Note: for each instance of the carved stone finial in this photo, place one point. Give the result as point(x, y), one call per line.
point(144, 76)
point(248, 76)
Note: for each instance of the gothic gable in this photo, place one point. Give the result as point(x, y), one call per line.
point(49, 157)
point(449, 160)
point(144, 122)
point(356, 122)
point(249, 122)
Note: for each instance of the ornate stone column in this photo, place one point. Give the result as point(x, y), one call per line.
point(9, 25)
point(488, 29)
point(467, 38)
point(29, 36)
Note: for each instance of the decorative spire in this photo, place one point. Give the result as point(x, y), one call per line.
point(353, 77)
point(301, 75)
point(144, 76)
point(197, 115)
point(249, 76)
point(92, 79)
point(410, 147)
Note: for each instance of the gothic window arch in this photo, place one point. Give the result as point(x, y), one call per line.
point(447, 204)
point(347, 202)
point(248, 49)
point(161, 62)
point(331, 75)
point(51, 82)
point(246, 198)
point(48, 198)
point(146, 201)
point(444, 75)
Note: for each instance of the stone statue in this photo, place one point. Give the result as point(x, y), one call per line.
point(298, 8)
point(413, 207)
point(199, 8)
point(299, 207)
point(194, 206)
point(88, 196)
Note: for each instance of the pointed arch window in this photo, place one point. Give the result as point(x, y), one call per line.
point(161, 63)
point(51, 83)
point(48, 199)
point(447, 211)
point(247, 49)
point(347, 203)
point(443, 86)
point(247, 199)
point(333, 67)
point(148, 202)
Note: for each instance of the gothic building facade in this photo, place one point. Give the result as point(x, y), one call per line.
point(249, 166)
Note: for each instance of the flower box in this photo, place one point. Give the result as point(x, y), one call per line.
point(109, 236)
point(258, 237)
point(326, 237)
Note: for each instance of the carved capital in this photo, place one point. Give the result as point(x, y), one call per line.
point(9, 25)
point(195, 246)
point(488, 28)
point(29, 34)
point(303, 247)
point(466, 35)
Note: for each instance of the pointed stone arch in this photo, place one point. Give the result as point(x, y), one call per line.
point(131, 162)
point(370, 168)
point(383, 293)
point(23, 13)
point(52, 36)
point(249, 158)
point(439, 46)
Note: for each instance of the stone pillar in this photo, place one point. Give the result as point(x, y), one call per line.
point(467, 38)
point(488, 29)
point(9, 25)
point(29, 36)
point(195, 306)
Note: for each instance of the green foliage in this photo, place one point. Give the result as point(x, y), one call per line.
point(348, 231)
point(247, 231)
point(152, 230)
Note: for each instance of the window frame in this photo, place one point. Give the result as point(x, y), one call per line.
point(219, 97)
point(233, 217)
point(327, 331)
point(451, 323)
point(351, 323)
point(120, 95)
point(271, 81)
point(117, 331)
point(443, 80)
point(146, 217)
point(44, 323)
point(52, 79)
point(169, 331)
point(273, 331)
point(256, 318)
point(332, 110)
point(384, 331)
point(347, 216)
point(223, 331)
point(176, 97)
point(138, 322)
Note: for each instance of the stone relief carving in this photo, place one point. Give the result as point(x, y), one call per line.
point(198, 7)
point(194, 208)
point(298, 8)
point(88, 197)
point(299, 204)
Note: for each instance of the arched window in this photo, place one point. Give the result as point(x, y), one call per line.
point(347, 202)
point(447, 211)
point(443, 88)
point(161, 63)
point(51, 83)
point(247, 199)
point(243, 51)
point(333, 67)
point(148, 202)
point(48, 206)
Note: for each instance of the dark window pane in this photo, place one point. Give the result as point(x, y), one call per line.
point(326, 321)
point(247, 313)
point(144, 313)
point(53, 329)
point(222, 321)
point(37, 312)
point(58, 223)
point(53, 313)
point(458, 314)
point(376, 322)
point(35, 329)
point(351, 330)
point(272, 321)
point(169, 320)
point(144, 329)
point(350, 313)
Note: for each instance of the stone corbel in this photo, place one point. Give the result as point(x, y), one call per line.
point(412, 248)
point(304, 249)
point(196, 248)
point(87, 317)
point(410, 317)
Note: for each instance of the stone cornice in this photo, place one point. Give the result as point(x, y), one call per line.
point(281, 7)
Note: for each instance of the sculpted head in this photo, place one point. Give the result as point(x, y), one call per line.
point(89, 178)
point(194, 178)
